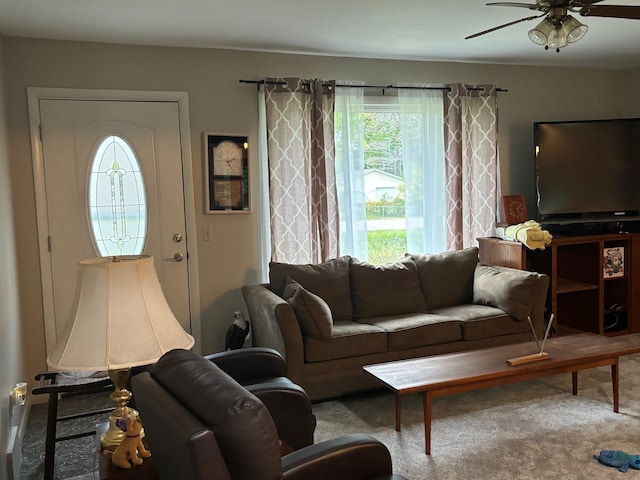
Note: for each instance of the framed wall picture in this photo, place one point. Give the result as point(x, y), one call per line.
point(226, 173)
point(514, 209)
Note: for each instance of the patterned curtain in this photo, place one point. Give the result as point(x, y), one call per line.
point(471, 152)
point(302, 190)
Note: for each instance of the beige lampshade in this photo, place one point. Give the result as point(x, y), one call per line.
point(120, 319)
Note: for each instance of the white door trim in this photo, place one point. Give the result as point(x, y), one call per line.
point(34, 95)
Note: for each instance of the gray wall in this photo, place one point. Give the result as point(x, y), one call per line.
point(633, 91)
point(219, 103)
point(12, 355)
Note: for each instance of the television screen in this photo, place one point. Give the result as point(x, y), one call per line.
point(588, 169)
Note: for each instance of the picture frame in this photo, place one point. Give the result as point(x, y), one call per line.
point(514, 209)
point(613, 262)
point(227, 186)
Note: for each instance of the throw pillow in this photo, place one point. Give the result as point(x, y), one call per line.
point(447, 278)
point(390, 289)
point(328, 280)
point(314, 315)
point(511, 292)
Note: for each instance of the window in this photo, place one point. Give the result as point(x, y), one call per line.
point(383, 169)
point(390, 174)
point(117, 201)
point(449, 201)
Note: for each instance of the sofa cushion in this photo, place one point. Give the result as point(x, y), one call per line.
point(447, 278)
point(480, 321)
point(348, 339)
point(511, 291)
point(329, 280)
point(313, 313)
point(416, 329)
point(390, 289)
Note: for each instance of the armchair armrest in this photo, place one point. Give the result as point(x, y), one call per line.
point(350, 457)
point(263, 372)
point(248, 365)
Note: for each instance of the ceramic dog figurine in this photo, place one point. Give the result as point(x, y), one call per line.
point(131, 450)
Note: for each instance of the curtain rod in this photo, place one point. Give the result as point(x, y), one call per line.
point(262, 82)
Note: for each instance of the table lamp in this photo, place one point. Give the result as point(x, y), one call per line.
point(121, 319)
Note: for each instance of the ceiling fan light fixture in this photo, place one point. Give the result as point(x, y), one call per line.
point(557, 38)
point(573, 29)
point(541, 32)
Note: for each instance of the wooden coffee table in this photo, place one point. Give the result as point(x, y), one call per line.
point(441, 375)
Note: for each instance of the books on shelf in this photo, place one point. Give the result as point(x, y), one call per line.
point(613, 262)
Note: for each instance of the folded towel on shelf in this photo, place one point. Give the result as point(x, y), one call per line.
point(529, 233)
point(500, 234)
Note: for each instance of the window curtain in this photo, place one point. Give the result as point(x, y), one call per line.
point(471, 150)
point(421, 124)
point(302, 190)
point(349, 141)
point(262, 206)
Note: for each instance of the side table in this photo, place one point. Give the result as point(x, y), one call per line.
point(109, 471)
point(508, 253)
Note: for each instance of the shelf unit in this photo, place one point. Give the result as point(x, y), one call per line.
point(581, 296)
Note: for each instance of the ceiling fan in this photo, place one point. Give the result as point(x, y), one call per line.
point(558, 28)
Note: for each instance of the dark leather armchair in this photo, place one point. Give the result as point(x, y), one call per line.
point(202, 424)
point(263, 372)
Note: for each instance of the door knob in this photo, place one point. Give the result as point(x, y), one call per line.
point(177, 257)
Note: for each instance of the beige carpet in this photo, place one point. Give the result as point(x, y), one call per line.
point(530, 430)
point(526, 431)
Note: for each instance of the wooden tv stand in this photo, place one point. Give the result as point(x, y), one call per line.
point(581, 295)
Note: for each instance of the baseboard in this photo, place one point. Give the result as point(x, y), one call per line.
point(19, 417)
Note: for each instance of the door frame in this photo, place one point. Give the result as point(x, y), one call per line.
point(34, 95)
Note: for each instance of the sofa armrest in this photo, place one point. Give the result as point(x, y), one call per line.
point(275, 325)
point(247, 365)
point(541, 286)
point(352, 457)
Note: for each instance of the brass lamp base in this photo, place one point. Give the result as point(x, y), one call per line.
point(120, 397)
point(113, 436)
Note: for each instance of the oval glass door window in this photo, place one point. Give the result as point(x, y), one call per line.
point(117, 200)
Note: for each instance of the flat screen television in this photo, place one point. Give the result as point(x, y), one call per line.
point(588, 174)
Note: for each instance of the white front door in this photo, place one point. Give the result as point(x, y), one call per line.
point(71, 131)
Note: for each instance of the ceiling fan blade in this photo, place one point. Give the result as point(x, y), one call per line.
point(530, 6)
point(503, 26)
point(613, 11)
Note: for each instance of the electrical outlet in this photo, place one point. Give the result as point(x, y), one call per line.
point(207, 233)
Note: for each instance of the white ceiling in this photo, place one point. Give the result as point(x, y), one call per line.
point(431, 30)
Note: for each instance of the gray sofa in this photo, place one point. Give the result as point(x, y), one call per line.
point(329, 320)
